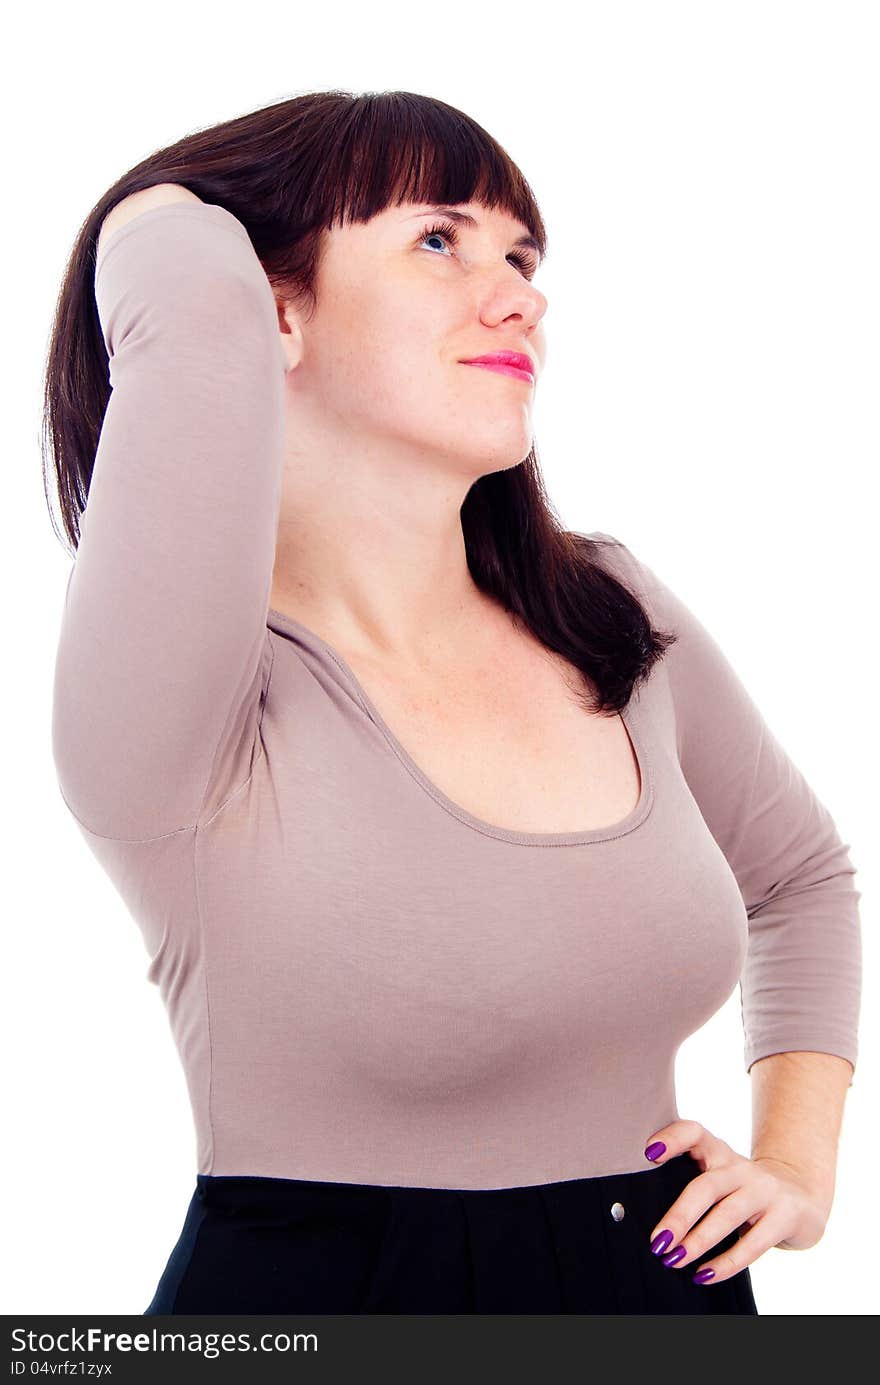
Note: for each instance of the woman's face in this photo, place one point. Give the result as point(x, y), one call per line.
point(397, 312)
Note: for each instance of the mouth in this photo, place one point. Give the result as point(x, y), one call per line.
point(513, 363)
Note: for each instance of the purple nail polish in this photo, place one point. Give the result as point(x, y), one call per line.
point(655, 1150)
point(703, 1276)
point(674, 1256)
point(662, 1241)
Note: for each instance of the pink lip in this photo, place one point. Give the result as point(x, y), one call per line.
point(508, 362)
point(503, 369)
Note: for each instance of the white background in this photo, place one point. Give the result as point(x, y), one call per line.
point(708, 176)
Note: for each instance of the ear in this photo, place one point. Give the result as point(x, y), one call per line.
point(291, 339)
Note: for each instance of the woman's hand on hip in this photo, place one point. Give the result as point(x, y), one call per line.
point(770, 1203)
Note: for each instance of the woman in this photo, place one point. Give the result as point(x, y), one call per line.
point(444, 826)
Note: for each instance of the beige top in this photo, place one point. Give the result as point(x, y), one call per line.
point(367, 983)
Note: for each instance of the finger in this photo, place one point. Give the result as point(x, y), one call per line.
point(728, 1216)
point(745, 1251)
point(701, 1193)
point(676, 1138)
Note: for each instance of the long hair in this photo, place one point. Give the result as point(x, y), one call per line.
point(289, 172)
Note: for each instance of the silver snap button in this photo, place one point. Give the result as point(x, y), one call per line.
point(617, 1211)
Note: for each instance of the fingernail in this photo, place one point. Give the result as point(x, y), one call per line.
point(674, 1256)
point(662, 1241)
point(655, 1150)
point(703, 1276)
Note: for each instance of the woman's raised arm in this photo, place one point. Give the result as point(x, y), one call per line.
point(164, 654)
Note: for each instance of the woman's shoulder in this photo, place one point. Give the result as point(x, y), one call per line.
point(618, 558)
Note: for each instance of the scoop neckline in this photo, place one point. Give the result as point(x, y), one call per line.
point(279, 620)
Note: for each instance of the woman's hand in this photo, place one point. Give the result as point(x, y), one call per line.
point(159, 195)
point(770, 1203)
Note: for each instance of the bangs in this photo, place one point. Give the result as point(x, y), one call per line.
point(388, 148)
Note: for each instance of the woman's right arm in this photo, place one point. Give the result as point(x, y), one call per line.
point(163, 645)
point(160, 195)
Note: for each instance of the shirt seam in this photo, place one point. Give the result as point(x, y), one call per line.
point(260, 753)
point(127, 841)
point(207, 992)
point(192, 826)
point(200, 919)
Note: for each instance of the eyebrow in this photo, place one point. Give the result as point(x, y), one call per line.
point(466, 219)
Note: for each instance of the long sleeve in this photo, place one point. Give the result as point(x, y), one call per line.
point(163, 651)
point(800, 987)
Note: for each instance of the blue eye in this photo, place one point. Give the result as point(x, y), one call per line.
point(446, 230)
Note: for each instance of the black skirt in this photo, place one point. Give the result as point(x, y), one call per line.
point(278, 1245)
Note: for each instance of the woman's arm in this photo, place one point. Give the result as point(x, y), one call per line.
point(163, 652)
point(797, 1114)
point(801, 980)
point(159, 195)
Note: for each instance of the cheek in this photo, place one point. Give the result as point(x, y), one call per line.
point(388, 357)
point(406, 380)
point(391, 364)
point(384, 341)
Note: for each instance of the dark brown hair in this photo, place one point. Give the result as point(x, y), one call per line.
point(289, 172)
